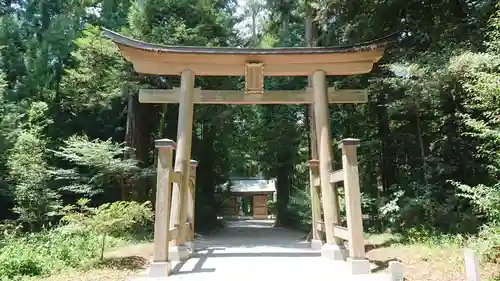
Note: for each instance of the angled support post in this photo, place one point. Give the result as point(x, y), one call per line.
point(179, 250)
point(334, 248)
point(191, 205)
point(357, 261)
point(161, 267)
point(316, 242)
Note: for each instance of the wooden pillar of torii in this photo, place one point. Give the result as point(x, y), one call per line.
point(180, 192)
point(174, 210)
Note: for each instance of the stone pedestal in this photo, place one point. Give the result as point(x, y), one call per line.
point(334, 252)
point(145, 278)
point(396, 271)
point(191, 245)
point(357, 267)
point(316, 244)
point(159, 269)
point(178, 253)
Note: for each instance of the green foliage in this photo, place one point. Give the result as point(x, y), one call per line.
point(97, 164)
point(493, 40)
point(187, 22)
point(111, 218)
point(48, 251)
point(485, 198)
point(98, 74)
point(479, 74)
point(35, 201)
point(3, 84)
point(429, 158)
point(38, 118)
point(422, 236)
point(487, 242)
point(300, 209)
point(108, 219)
point(76, 242)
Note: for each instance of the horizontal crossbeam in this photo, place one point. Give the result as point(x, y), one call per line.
point(174, 232)
point(240, 97)
point(335, 177)
point(175, 176)
point(339, 231)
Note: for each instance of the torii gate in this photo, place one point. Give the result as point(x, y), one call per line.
point(174, 210)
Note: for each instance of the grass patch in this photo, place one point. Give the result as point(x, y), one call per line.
point(120, 263)
point(428, 257)
point(51, 251)
point(78, 242)
point(91, 274)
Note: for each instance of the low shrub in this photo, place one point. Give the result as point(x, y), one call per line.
point(424, 236)
point(47, 251)
point(487, 242)
point(73, 244)
point(115, 219)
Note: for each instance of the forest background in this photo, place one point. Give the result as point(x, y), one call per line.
point(71, 126)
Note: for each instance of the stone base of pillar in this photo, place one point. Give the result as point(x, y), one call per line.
point(159, 270)
point(191, 245)
point(357, 267)
point(316, 244)
point(139, 278)
point(396, 271)
point(178, 253)
point(334, 252)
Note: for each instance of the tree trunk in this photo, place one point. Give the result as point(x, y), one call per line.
point(254, 28)
point(139, 137)
point(103, 243)
point(421, 144)
point(313, 143)
point(313, 146)
point(283, 196)
point(206, 206)
point(387, 170)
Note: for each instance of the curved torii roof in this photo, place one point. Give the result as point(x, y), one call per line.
point(226, 61)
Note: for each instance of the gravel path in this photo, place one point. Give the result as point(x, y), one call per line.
point(252, 250)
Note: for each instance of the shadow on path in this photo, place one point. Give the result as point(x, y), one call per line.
point(381, 265)
point(253, 233)
point(248, 239)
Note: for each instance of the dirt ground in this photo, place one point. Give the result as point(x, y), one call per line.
point(424, 263)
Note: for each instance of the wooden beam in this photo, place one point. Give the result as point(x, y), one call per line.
point(175, 176)
point(239, 97)
point(174, 233)
point(336, 176)
point(324, 136)
point(182, 158)
point(191, 202)
point(341, 232)
point(353, 198)
point(226, 61)
point(163, 199)
point(315, 196)
point(316, 182)
point(320, 226)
